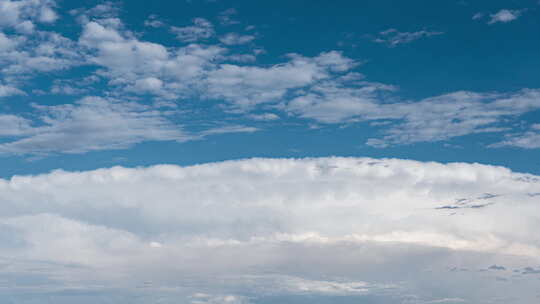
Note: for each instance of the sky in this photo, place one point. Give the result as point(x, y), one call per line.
point(214, 151)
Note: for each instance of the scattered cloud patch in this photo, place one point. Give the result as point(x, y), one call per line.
point(200, 30)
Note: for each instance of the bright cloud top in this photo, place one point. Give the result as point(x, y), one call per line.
point(238, 228)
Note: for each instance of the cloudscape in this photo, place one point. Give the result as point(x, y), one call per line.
point(261, 152)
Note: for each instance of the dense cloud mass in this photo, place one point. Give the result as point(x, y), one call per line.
point(392, 231)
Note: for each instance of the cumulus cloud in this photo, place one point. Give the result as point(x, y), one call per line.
point(275, 227)
point(393, 37)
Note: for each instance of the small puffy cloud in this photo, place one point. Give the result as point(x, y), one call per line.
point(200, 30)
point(505, 16)
point(393, 37)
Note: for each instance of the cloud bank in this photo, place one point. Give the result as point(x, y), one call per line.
point(386, 230)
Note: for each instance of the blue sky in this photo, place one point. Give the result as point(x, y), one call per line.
point(396, 67)
point(193, 150)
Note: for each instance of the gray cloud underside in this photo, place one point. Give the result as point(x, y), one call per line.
point(264, 228)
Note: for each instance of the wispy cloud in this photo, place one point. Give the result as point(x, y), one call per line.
point(393, 37)
point(235, 38)
point(226, 17)
point(529, 139)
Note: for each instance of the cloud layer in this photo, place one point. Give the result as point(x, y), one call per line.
point(263, 228)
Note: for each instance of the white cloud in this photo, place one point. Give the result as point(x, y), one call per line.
point(9, 91)
point(200, 30)
point(393, 37)
point(527, 140)
point(202, 298)
point(505, 16)
point(6, 43)
point(320, 88)
point(264, 116)
point(96, 123)
point(93, 123)
point(348, 99)
point(235, 38)
point(15, 13)
point(276, 227)
point(44, 52)
point(478, 16)
point(333, 102)
point(12, 125)
point(457, 114)
point(144, 67)
point(228, 129)
point(154, 22)
point(246, 86)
